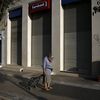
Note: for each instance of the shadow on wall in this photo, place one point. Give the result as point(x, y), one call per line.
point(96, 68)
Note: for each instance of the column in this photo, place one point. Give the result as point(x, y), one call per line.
point(8, 40)
point(57, 35)
point(26, 37)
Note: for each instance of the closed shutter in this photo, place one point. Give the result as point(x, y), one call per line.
point(70, 39)
point(16, 41)
point(37, 29)
point(41, 37)
point(77, 37)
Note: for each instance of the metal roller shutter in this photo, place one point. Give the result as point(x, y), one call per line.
point(41, 37)
point(16, 41)
point(77, 37)
point(70, 38)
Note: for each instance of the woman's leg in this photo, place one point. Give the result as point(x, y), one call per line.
point(48, 80)
point(46, 83)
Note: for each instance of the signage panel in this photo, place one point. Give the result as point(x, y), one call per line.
point(15, 13)
point(39, 5)
point(68, 1)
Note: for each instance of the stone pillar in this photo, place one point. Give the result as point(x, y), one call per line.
point(3, 49)
point(57, 35)
point(8, 40)
point(29, 43)
point(26, 36)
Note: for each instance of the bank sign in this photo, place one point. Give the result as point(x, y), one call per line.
point(39, 5)
point(68, 1)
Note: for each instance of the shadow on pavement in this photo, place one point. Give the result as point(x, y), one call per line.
point(77, 93)
point(22, 79)
point(2, 78)
point(19, 77)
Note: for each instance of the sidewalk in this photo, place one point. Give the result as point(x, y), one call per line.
point(61, 79)
point(65, 87)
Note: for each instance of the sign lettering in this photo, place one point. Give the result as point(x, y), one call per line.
point(43, 4)
point(39, 5)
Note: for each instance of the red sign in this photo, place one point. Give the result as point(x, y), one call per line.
point(39, 5)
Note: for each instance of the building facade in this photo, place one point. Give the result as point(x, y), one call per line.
point(67, 28)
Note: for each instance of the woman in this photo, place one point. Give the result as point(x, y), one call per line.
point(47, 68)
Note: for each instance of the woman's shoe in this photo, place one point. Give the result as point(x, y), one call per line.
point(47, 89)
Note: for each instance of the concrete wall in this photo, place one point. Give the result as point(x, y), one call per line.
point(95, 40)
